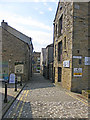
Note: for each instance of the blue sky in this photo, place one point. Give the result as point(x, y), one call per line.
point(34, 19)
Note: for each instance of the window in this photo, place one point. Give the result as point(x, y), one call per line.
point(56, 29)
point(80, 61)
point(60, 26)
point(65, 42)
point(60, 7)
point(60, 51)
point(55, 50)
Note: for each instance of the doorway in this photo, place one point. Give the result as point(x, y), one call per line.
point(59, 74)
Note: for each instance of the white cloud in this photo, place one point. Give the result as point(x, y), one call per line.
point(41, 12)
point(40, 38)
point(28, 0)
point(50, 9)
point(45, 3)
point(23, 20)
point(36, 8)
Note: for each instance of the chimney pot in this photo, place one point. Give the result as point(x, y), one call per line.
point(2, 20)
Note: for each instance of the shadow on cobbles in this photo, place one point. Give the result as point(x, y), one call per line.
point(18, 110)
point(38, 81)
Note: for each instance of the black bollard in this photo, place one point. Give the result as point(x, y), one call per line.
point(5, 99)
point(16, 84)
point(21, 81)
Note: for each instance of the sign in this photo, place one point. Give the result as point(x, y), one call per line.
point(77, 72)
point(19, 69)
point(12, 78)
point(66, 63)
point(78, 57)
point(87, 60)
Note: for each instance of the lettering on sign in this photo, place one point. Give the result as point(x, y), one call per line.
point(77, 72)
point(77, 57)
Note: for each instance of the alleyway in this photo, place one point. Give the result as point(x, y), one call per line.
point(42, 99)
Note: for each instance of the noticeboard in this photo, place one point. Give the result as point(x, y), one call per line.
point(19, 69)
point(77, 72)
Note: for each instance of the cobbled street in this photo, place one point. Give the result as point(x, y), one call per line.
point(42, 99)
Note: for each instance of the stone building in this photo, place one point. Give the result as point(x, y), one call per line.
point(71, 48)
point(16, 54)
point(48, 68)
point(42, 60)
point(36, 62)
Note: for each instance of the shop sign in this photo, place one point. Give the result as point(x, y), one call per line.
point(77, 72)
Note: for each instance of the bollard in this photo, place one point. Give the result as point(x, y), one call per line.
point(16, 84)
point(21, 81)
point(5, 99)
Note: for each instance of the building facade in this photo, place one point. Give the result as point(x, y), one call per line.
point(42, 60)
point(71, 49)
point(16, 54)
point(48, 68)
point(36, 62)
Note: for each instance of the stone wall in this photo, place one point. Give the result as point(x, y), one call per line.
point(80, 45)
point(36, 62)
point(74, 38)
point(0, 52)
point(15, 50)
point(67, 29)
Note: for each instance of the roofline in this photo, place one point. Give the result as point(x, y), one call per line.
point(51, 45)
point(56, 11)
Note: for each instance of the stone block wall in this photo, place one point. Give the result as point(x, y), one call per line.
point(67, 30)
point(80, 45)
point(15, 50)
point(74, 38)
point(36, 62)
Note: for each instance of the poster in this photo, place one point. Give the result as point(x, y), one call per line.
point(87, 60)
point(66, 63)
point(12, 78)
point(77, 72)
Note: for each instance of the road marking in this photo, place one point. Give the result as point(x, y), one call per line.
point(20, 100)
point(85, 102)
point(23, 104)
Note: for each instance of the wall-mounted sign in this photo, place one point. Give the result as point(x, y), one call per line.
point(12, 78)
point(76, 6)
point(66, 63)
point(77, 57)
point(19, 69)
point(87, 60)
point(77, 72)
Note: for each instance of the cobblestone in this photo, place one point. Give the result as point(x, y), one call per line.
point(45, 100)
